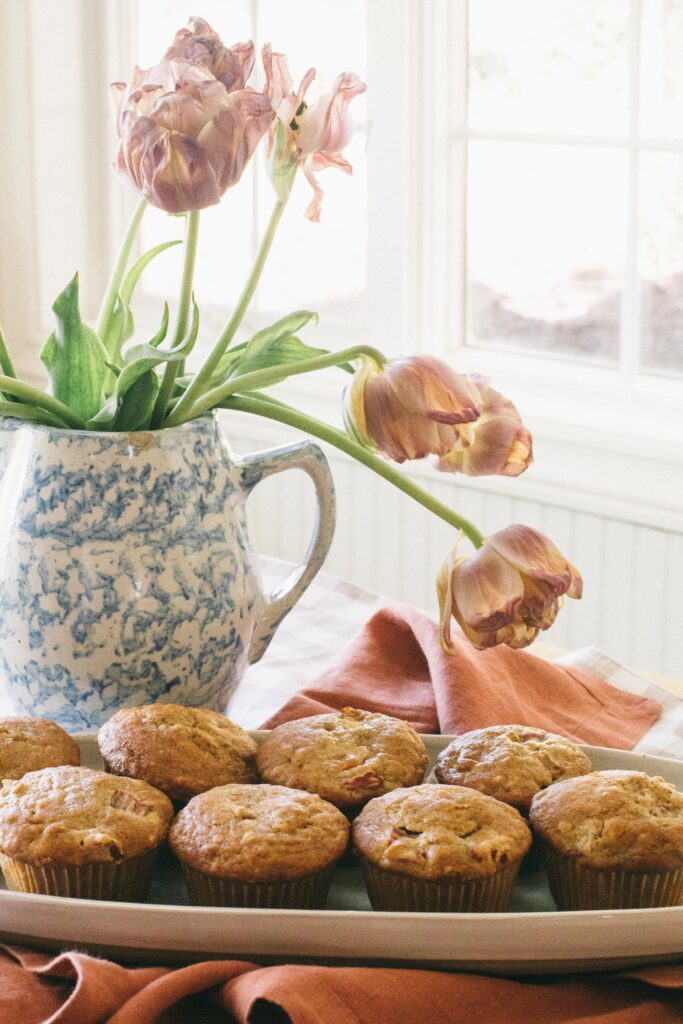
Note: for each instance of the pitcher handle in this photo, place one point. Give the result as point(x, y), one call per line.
point(308, 456)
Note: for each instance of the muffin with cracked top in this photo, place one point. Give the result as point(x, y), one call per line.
point(181, 751)
point(440, 848)
point(346, 757)
point(29, 744)
point(258, 846)
point(71, 831)
point(612, 840)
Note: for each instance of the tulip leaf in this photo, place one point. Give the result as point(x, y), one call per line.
point(261, 345)
point(133, 276)
point(288, 350)
point(74, 357)
point(136, 407)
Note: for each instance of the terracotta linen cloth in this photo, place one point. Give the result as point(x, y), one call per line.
point(77, 989)
point(396, 665)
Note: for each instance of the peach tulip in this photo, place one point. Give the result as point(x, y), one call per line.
point(311, 137)
point(410, 407)
point(507, 591)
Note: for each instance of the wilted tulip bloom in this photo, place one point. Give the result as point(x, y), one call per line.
point(497, 444)
point(410, 407)
point(507, 591)
point(308, 136)
point(188, 127)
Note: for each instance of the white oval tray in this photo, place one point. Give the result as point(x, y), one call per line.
point(533, 937)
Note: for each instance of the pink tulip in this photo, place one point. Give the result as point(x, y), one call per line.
point(308, 136)
point(498, 444)
point(507, 591)
point(411, 407)
point(186, 135)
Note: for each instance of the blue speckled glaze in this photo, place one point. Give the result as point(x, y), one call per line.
point(126, 574)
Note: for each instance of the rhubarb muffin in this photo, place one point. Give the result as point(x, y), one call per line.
point(347, 757)
point(29, 744)
point(611, 840)
point(510, 762)
point(181, 751)
point(440, 848)
point(72, 831)
point(258, 846)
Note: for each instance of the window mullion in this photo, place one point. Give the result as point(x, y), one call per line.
point(629, 341)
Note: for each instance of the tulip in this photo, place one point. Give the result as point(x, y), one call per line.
point(186, 135)
point(311, 137)
point(507, 591)
point(498, 444)
point(411, 407)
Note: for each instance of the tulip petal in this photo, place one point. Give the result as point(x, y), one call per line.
point(170, 169)
point(487, 590)
point(536, 556)
point(327, 125)
point(500, 446)
point(200, 44)
point(230, 138)
point(429, 387)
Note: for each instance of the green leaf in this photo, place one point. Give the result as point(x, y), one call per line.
point(119, 330)
point(133, 275)
point(137, 405)
point(261, 345)
point(74, 357)
point(289, 350)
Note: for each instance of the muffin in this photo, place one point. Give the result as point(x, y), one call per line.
point(440, 848)
point(258, 846)
point(71, 831)
point(181, 751)
point(510, 762)
point(29, 744)
point(612, 840)
point(347, 757)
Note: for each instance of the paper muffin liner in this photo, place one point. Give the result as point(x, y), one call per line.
point(389, 890)
point(575, 886)
point(124, 880)
point(306, 893)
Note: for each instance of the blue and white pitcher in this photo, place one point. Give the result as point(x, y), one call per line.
point(126, 573)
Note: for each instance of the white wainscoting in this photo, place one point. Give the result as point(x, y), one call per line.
point(633, 573)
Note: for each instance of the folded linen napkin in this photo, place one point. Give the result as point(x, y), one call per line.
point(396, 665)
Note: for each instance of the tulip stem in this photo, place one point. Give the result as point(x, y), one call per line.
point(34, 397)
point(275, 410)
point(270, 375)
point(182, 316)
point(203, 375)
point(118, 271)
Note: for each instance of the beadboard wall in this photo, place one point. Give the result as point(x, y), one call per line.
point(632, 572)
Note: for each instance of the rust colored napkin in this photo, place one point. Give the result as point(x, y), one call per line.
point(77, 989)
point(396, 665)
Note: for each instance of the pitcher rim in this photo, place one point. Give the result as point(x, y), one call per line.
point(212, 415)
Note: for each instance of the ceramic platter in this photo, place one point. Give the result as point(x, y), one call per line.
point(533, 937)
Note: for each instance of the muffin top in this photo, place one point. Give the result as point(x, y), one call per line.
point(259, 833)
point(510, 762)
point(434, 832)
point(182, 751)
point(73, 815)
point(346, 757)
point(28, 744)
point(613, 819)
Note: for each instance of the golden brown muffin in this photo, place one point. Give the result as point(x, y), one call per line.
point(77, 832)
point(258, 846)
point(510, 762)
point(347, 757)
point(181, 751)
point(612, 839)
point(29, 744)
point(440, 848)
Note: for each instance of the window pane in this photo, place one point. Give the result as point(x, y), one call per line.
point(661, 95)
point(548, 65)
point(661, 260)
point(546, 247)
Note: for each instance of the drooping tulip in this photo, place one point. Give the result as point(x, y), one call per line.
point(411, 407)
point(311, 137)
point(507, 591)
point(186, 136)
point(498, 444)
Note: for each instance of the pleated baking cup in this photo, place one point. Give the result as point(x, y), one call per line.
point(124, 880)
point(575, 886)
point(306, 893)
point(389, 890)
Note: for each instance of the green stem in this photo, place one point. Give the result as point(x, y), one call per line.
point(182, 317)
point(203, 375)
point(32, 396)
point(119, 270)
point(6, 365)
point(270, 375)
point(294, 418)
point(18, 411)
